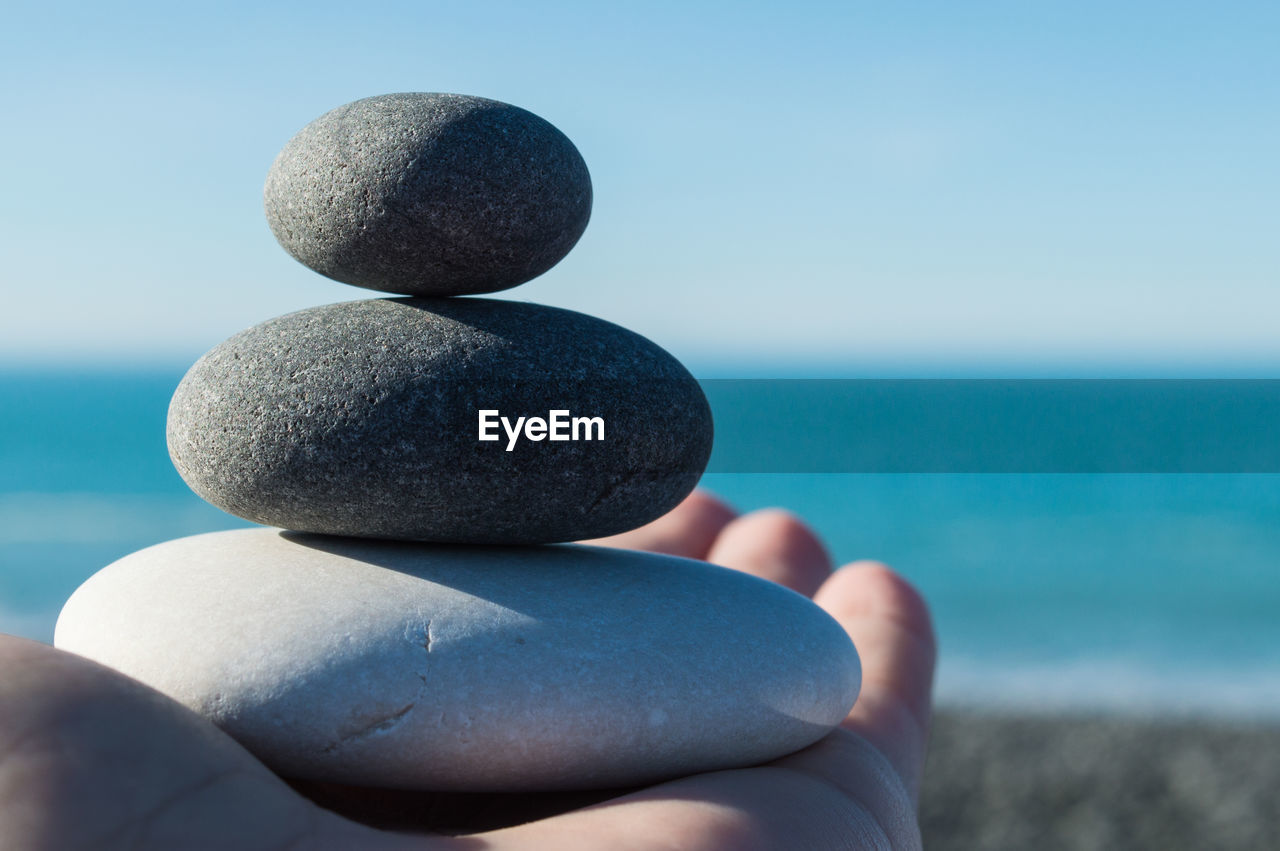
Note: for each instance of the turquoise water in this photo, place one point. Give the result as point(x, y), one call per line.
point(1143, 592)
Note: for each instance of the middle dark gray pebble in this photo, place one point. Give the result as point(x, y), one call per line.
point(429, 194)
point(362, 419)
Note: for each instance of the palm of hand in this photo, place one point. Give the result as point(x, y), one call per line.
point(92, 759)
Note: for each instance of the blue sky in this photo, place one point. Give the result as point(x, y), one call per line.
point(856, 184)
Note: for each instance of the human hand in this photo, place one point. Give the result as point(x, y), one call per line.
point(92, 759)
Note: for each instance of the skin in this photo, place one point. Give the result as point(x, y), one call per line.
point(92, 759)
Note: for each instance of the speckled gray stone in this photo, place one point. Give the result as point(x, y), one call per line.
point(362, 419)
point(429, 194)
point(469, 668)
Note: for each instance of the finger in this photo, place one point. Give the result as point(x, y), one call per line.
point(891, 627)
point(687, 530)
point(91, 759)
point(753, 808)
point(774, 545)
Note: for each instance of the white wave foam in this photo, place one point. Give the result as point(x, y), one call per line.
point(82, 518)
point(1112, 685)
point(29, 624)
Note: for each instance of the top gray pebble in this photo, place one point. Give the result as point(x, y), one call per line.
point(429, 194)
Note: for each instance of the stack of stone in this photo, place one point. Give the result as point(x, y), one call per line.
point(394, 636)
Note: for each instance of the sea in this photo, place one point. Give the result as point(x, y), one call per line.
point(1084, 546)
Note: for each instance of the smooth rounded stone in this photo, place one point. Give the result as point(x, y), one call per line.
point(429, 194)
point(469, 668)
point(362, 418)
